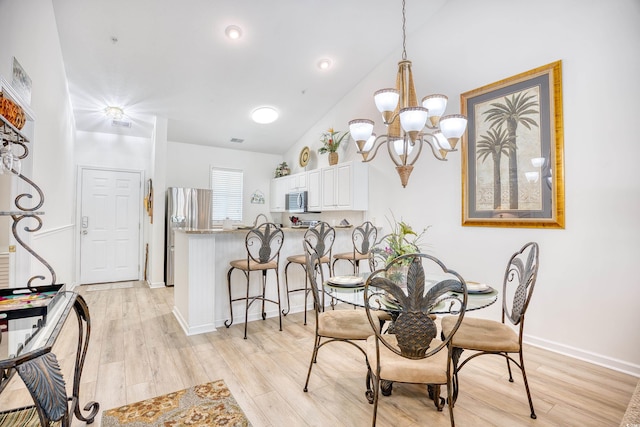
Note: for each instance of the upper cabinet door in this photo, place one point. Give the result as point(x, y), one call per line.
point(314, 188)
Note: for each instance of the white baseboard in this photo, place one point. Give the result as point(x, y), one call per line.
point(587, 356)
point(155, 285)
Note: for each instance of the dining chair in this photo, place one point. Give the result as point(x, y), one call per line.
point(485, 336)
point(349, 326)
point(409, 351)
point(363, 238)
point(321, 237)
point(263, 244)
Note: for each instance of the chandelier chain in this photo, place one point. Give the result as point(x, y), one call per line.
point(404, 33)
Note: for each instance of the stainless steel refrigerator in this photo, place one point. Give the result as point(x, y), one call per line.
point(186, 208)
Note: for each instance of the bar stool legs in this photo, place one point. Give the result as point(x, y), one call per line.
point(248, 299)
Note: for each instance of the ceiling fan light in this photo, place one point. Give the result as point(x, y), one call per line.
point(361, 129)
point(386, 99)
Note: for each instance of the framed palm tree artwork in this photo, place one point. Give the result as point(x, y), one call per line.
point(512, 152)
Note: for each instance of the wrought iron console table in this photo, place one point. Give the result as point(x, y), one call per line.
point(29, 341)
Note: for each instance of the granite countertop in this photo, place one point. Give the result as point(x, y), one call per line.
point(243, 230)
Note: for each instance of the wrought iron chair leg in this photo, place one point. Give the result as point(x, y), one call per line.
point(246, 307)
point(286, 286)
point(506, 356)
point(376, 394)
point(526, 385)
point(314, 356)
point(229, 322)
point(278, 292)
point(369, 392)
point(306, 294)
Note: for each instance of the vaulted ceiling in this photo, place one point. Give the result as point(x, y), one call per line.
point(171, 59)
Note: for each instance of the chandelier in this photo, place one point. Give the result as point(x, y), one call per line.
point(409, 124)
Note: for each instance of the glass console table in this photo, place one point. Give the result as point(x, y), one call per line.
point(26, 344)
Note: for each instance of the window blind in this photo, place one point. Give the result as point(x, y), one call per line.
point(226, 185)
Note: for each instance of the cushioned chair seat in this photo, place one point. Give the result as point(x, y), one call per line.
point(252, 265)
point(345, 324)
point(300, 259)
point(393, 367)
point(481, 335)
point(349, 255)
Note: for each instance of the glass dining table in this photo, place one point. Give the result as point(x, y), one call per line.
point(350, 290)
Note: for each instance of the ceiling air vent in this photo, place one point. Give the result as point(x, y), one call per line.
point(120, 123)
point(237, 140)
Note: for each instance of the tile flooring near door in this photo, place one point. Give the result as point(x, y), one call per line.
point(138, 351)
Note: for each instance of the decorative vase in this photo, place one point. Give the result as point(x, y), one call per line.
point(398, 275)
point(333, 158)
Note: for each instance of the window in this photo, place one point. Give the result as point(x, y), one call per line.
point(226, 185)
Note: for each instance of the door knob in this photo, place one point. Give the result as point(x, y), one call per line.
point(84, 232)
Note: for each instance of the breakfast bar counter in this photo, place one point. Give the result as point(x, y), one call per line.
point(202, 257)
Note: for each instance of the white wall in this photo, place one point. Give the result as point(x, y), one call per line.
point(586, 298)
point(188, 165)
point(29, 33)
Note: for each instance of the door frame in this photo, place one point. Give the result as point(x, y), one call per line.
point(78, 219)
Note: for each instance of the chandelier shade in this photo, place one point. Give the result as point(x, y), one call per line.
point(410, 124)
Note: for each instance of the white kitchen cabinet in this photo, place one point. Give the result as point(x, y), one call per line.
point(345, 186)
point(314, 190)
point(297, 181)
point(277, 191)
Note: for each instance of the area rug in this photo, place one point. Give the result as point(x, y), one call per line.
point(208, 404)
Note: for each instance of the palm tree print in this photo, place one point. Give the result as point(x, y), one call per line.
point(513, 112)
point(495, 143)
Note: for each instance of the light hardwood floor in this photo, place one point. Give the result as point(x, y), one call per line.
point(138, 351)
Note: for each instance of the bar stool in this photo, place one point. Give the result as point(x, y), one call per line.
point(263, 244)
point(363, 238)
point(320, 238)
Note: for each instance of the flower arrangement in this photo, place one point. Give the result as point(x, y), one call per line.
point(401, 241)
point(282, 170)
point(331, 141)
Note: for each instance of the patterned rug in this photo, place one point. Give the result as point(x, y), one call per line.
point(203, 405)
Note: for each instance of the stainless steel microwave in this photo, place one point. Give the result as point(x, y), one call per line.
point(296, 201)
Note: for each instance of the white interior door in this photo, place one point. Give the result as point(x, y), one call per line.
point(110, 226)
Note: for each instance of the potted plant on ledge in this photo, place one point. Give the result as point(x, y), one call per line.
point(330, 143)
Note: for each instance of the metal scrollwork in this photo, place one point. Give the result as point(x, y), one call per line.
point(14, 230)
point(43, 379)
point(11, 139)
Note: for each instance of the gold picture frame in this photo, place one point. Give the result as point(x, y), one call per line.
point(513, 152)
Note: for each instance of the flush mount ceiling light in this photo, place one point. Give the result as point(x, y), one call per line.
point(233, 32)
point(324, 64)
point(406, 122)
point(264, 115)
point(115, 113)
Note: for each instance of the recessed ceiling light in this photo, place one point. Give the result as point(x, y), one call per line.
point(264, 115)
point(233, 32)
point(324, 64)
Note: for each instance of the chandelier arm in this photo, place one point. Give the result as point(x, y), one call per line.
point(375, 148)
point(435, 152)
point(393, 155)
point(420, 141)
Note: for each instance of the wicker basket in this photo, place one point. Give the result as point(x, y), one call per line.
point(12, 112)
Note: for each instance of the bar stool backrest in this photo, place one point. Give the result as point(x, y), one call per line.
point(264, 242)
point(321, 238)
point(364, 238)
